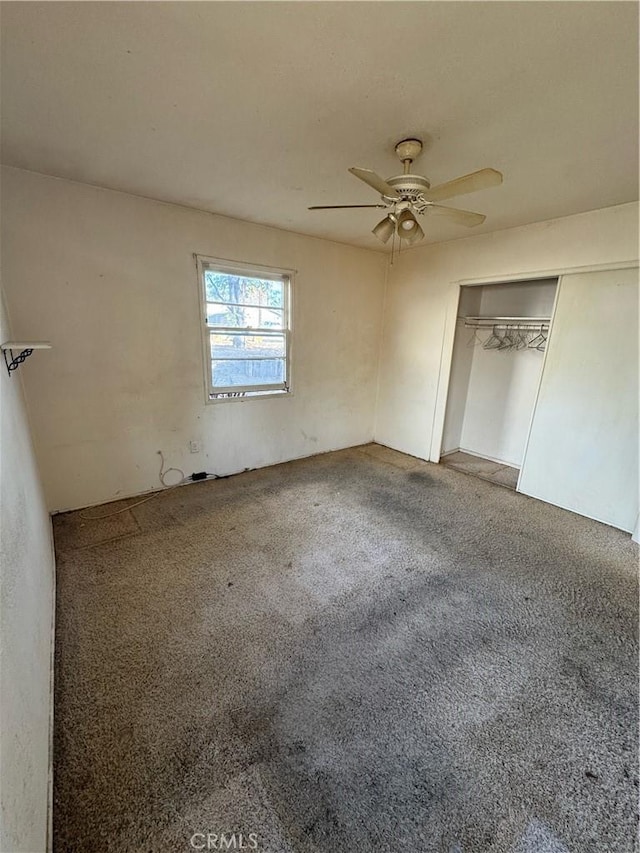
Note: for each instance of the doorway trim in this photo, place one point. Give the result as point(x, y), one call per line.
point(451, 316)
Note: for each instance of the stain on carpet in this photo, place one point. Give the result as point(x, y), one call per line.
point(345, 654)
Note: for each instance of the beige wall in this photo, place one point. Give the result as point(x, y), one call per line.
point(419, 293)
point(110, 279)
point(26, 613)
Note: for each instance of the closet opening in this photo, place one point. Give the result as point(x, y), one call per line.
point(501, 334)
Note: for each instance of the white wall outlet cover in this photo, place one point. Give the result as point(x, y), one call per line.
point(195, 446)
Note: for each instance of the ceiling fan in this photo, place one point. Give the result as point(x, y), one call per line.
point(409, 195)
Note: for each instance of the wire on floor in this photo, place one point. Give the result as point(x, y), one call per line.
point(167, 487)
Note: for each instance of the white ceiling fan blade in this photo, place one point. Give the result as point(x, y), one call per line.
point(479, 180)
point(460, 217)
point(374, 181)
point(340, 206)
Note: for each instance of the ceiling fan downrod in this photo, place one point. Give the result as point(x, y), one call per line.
point(407, 151)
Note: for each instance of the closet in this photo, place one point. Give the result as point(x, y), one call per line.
point(502, 332)
point(549, 405)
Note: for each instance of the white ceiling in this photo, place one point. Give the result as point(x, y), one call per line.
point(256, 110)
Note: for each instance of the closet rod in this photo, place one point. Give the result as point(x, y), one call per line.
point(536, 320)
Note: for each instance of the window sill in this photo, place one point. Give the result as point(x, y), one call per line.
point(249, 397)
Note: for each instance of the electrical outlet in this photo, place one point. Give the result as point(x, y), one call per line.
point(195, 446)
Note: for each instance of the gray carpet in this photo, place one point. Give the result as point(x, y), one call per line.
point(354, 652)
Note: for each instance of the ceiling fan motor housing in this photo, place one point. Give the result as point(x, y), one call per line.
point(409, 186)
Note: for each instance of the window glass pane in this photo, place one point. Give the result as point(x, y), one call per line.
point(236, 372)
point(241, 345)
point(257, 317)
point(242, 290)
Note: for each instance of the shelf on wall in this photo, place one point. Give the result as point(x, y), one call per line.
point(25, 349)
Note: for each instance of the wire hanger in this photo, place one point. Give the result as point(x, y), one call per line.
point(540, 338)
point(507, 340)
point(493, 341)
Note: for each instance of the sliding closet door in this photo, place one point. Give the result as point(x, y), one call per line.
point(582, 452)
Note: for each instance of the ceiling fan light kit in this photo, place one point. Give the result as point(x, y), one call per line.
point(410, 195)
point(385, 228)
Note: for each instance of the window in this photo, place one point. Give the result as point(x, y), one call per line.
point(246, 329)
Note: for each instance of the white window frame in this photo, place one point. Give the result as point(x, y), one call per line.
point(249, 392)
